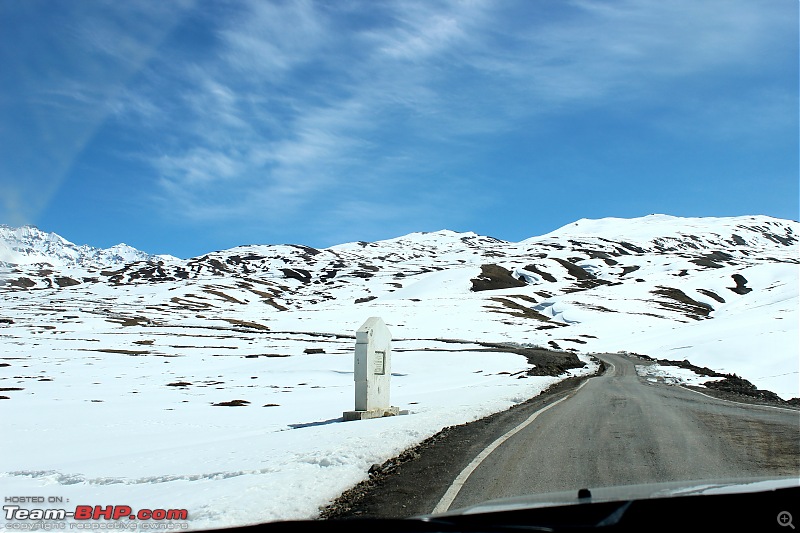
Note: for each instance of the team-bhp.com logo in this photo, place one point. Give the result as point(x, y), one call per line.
point(86, 517)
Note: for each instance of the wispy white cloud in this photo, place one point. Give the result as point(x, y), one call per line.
point(270, 39)
point(611, 51)
point(292, 103)
point(423, 31)
point(328, 121)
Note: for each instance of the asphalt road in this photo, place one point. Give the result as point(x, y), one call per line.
point(610, 430)
point(618, 429)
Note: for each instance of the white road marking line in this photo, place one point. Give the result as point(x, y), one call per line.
point(449, 496)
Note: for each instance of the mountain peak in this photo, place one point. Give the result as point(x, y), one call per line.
point(30, 245)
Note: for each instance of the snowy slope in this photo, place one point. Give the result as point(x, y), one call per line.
point(140, 357)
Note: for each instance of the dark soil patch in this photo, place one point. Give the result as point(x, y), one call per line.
point(63, 281)
point(24, 283)
point(519, 310)
point(217, 265)
point(307, 249)
point(628, 269)
point(706, 263)
point(712, 260)
point(546, 362)
point(731, 387)
point(299, 274)
point(275, 304)
point(741, 283)
point(739, 387)
point(120, 351)
point(493, 277)
point(736, 239)
point(683, 303)
point(712, 294)
point(224, 296)
point(702, 371)
point(246, 324)
point(545, 276)
point(232, 403)
point(633, 247)
point(585, 284)
point(574, 270)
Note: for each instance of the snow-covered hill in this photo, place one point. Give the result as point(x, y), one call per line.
point(155, 348)
point(645, 284)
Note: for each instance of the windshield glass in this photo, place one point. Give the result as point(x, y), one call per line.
point(412, 245)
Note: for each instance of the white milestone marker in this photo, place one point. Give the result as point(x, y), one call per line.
point(373, 371)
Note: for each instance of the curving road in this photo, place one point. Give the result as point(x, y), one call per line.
point(618, 429)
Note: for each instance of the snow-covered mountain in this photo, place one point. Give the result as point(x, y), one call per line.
point(645, 284)
point(29, 245)
point(138, 355)
point(712, 290)
point(705, 242)
point(588, 256)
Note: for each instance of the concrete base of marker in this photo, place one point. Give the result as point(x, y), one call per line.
point(372, 413)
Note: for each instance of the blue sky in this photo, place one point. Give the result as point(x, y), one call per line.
point(185, 127)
